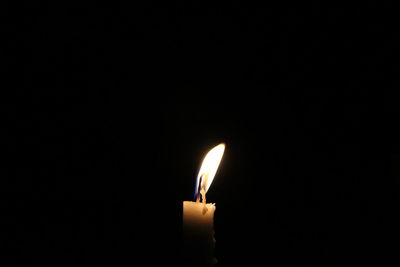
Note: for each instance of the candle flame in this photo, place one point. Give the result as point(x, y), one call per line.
point(209, 168)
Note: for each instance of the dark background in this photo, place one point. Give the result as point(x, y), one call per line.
point(110, 107)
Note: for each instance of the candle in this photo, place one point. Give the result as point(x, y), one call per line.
point(198, 216)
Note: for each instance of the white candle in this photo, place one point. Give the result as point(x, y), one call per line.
point(198, 217)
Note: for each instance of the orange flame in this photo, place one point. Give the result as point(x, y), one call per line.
point(209, 167)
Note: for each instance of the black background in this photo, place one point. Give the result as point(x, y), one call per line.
point(110, 107)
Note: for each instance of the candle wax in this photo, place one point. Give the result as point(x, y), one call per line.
point(198, 234)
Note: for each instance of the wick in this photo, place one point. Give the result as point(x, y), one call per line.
point(203, 196)
point(198, 190)
point(201, 193)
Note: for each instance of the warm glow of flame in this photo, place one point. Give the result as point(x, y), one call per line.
point(209, 167)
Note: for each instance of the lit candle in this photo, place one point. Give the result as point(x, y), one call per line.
point(198, 216)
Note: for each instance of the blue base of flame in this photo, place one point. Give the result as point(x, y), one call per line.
point(197, 189)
